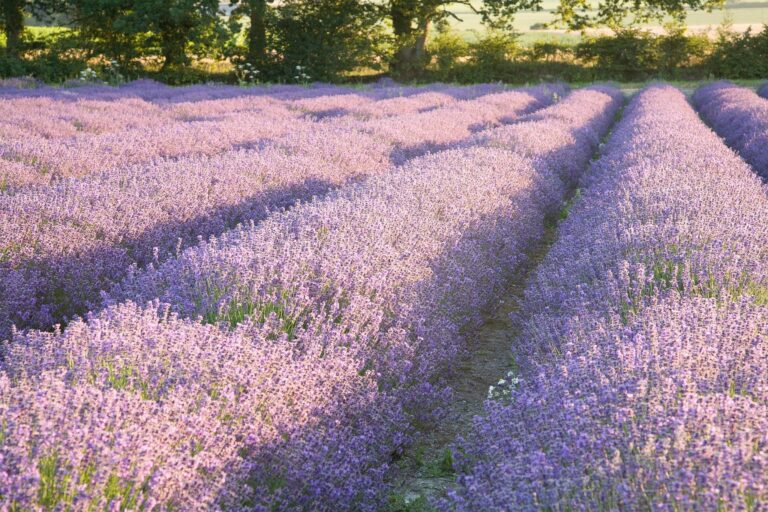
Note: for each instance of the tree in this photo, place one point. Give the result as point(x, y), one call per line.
point(411, 19)
point(12, 23)
point(12, 16)
point(122, 29)
point(176, 23)
point(324, 37)
point(618, 14)
point(256, 12)
point(108, 28)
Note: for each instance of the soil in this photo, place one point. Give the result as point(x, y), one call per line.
point(425, 471)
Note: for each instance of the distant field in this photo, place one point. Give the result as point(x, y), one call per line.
point(38, 32)
point(755, 13)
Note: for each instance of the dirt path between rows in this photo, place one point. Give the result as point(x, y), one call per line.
point(425, 471)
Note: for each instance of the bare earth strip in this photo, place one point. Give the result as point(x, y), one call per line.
point(425, 471)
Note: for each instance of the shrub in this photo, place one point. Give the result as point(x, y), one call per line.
point(740, 55)
point(627, 55)
point(447, 49)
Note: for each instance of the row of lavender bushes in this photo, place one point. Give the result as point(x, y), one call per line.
point(740, 116)
point(643, 360)
point(44, 138)
point(61, 245)
point(324, 329)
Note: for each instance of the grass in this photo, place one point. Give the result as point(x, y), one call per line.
point(38, 33)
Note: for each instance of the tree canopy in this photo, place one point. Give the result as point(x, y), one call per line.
point(325, 37)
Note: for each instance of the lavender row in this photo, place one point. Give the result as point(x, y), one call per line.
point(205, 128)
point(53, 116)
point(300, 403)
point(739, 116)
point(643, 357)
point(61, 245)
point(763, 90)
point(207, 279)
point(47, 161)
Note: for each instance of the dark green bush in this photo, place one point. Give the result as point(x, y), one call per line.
point(447, 49)
point(627, 55)
point(324, 39)
point(740, 55)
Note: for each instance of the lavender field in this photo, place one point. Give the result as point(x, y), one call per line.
point(390, 298)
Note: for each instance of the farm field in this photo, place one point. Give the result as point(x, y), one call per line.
point(387, 298)
point(752, 14)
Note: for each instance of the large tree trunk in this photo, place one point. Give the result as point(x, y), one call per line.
point(411, 56)
point(257, 33)
point(174, 45)
point(13, 16)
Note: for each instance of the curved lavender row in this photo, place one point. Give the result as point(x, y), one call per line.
point(763, 90)
point(60, 246)
point(206, 128)
point(48, 118)
point(52, 116)
point(81, 155)
point(137, 410)
point(739, 116)
point(644, 353)
point(425, 98)
point(434, 130)
point(204, 279)
point(153, 91)
point(306, 422)
point(563, 127)
point(304, 486)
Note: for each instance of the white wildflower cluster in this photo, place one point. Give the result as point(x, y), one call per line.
point(503, 389)
point(301, 75)
point(112, 73)
point(247, 74)
point(89, 75)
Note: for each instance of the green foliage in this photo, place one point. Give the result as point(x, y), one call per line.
point(125, 491)
point(398, 503)
point(324, 38)
point(447, 48)
point(549, 51)
point(617, 14)
point(740, 55)
point(628, 55)
point(51, 56)
point(52, 491)
point(638, 55)
point(442, 466)
point(493, 52)
point(677, 51)
point(301, 41)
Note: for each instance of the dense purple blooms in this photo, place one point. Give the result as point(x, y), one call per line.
point(58, 135)
point(60, 245)
point(332, 319)
point(740, 117)
point(763, 90)
point(643, 358)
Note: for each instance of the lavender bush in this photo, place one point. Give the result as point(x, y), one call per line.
point(763, 90)
point(740, 117)
point(332, 322)
point(642, 362)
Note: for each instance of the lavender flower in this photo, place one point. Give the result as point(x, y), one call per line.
point(739, 116)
